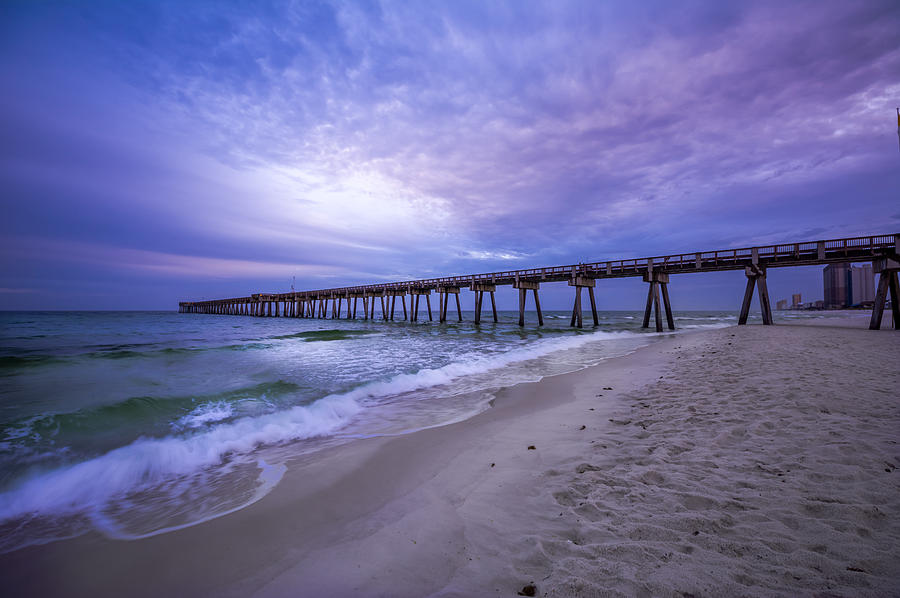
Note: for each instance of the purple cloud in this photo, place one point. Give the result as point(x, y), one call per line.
point(379, 140)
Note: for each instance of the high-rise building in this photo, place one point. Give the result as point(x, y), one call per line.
point(796, 300)
point(781, 304)
point(846, 285)
point(862, 284)
point(836, 279)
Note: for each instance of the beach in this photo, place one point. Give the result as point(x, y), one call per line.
point(752, 460)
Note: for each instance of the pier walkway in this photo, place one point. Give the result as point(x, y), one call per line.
point(883, 251)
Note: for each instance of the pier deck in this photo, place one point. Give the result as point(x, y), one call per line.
point(881, 250)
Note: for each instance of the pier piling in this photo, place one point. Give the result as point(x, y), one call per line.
point(580, 282)
point(657, 280)
point(756, 276)
point(887, 270)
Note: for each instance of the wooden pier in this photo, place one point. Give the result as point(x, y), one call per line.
point(883, 251)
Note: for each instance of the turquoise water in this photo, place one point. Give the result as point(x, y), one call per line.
point(135, 423)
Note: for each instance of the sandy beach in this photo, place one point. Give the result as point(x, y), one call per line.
point(757, 461)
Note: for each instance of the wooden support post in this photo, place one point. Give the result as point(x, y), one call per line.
point(415, 310)
point(524, 286)
point(537, 306)
point(403, 301)
point(578, 307)
point(887, 270)
point(748, 297)
point(894, 286)
point(670, 320)
point(479, 297)
point(393, 304)
point(880, 299)
point(384, 314)
point(459, 308)
point(580, 282)
point(648, 308)
point(444, 305)
point(493, 308)
point(659, 281)
point(756, 277)
point(428, 302)
point(764, 306)
point(522, 293)
point(655, 287)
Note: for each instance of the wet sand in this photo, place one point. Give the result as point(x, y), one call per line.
point(742, 461)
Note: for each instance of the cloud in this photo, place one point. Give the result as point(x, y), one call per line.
point(161, 264)
point(388, 138)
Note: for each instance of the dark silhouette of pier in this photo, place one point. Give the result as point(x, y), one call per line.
point(342, 302)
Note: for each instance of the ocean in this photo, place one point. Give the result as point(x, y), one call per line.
point(133, 424)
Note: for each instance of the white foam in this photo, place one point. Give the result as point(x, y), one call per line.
point(205, 414)
point(473, 364)
point(269, 477)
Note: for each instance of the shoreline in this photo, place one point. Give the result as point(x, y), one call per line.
point(467, 507)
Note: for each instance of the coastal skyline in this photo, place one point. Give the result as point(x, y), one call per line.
point(156, 152)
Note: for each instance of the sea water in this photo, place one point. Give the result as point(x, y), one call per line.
point(137, 423)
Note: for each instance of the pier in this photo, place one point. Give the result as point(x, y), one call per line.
point(883, 251)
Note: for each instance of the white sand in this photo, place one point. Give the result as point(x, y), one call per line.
point(743, 461)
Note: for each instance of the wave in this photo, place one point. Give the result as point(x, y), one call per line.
point(10, 364)
point(147, 462)
point(325, 335)
point(16, 362)
point(133, 417)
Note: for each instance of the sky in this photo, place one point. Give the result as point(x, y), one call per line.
point(152, 152)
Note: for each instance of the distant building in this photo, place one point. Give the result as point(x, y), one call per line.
point(862, 284)
point(781, 304)
point(796, 300)
point(845, 285)
point(836, 280)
